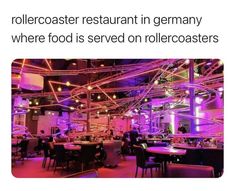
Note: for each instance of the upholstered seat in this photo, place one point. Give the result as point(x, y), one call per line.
point(189, 171)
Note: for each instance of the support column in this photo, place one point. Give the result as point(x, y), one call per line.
point(88, 128)
point(192, 97)
point(150, 117)
point(88, 115)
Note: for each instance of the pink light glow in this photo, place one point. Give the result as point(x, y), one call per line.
point(198, 100)
point(220, 89)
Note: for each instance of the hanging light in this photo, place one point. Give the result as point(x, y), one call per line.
point(220, 63)
point(68, 83)
point(59, 89)
point(89, 87)
point(156, 82)
point(187, 61)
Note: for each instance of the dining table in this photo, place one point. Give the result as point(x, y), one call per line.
point(72, 147)
point(166, 153)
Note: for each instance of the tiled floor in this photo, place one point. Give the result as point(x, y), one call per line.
point(32, 168)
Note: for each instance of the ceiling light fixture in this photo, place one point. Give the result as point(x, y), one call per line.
point(89, 87)
point(59, 89)
point(68, 83)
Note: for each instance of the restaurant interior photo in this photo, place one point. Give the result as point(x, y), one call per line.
point(117, 118)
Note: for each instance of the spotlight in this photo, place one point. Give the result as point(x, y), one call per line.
point(98, 97)
point(68, 83)
point(220, 89)
point(36, 103)
point(59, 89)
point(114, 96)
point(89, 87)
point(102, 65)
point(156, 82)
point(71, 108)
point(146, 100)
point(187, 92)
point(187, 61)
point(76, 100)
point(30, 102)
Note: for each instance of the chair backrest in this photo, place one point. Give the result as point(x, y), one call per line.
point(215, 158)
point(45, 147)
point(140, 156)
point(88, 152)
point(189, 171)
point(24, 147)
point(60, 154)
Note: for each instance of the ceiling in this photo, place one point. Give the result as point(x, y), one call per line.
point(114, 86)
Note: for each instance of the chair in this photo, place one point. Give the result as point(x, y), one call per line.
point(87, 155)
point(33, 142)
point(142, 162)
point(51, 153)
point(193, 156)
point(189, 171)
point(214, 158)
point(23, 149)
point(61, 158)
point(46, 155)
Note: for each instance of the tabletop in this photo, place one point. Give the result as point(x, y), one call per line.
point(72, 147)
point(166, 150)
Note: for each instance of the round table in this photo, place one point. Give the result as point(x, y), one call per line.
point(166, 151)
point(85, 143)
point(72, 147)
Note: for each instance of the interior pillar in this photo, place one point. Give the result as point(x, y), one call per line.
point(192, 96)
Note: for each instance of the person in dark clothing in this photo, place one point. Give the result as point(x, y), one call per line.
point(125, 145)
point(133, 138)
point(57, 132)
point(182, 129)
